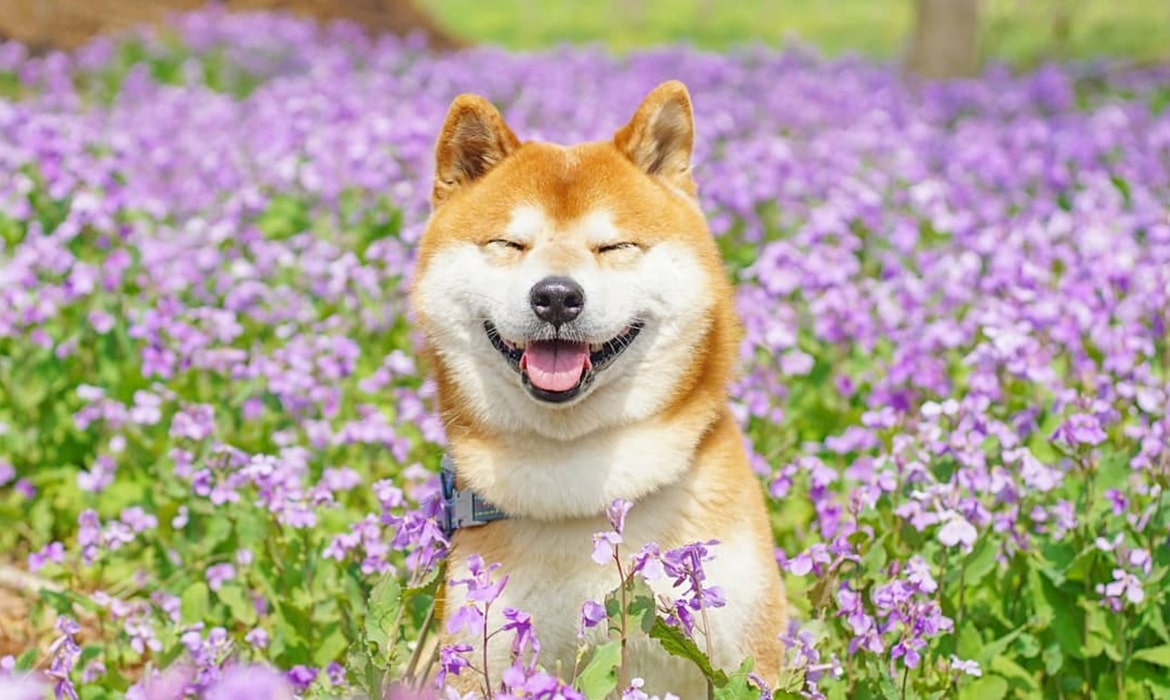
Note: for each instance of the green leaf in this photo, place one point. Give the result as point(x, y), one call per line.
point(427, 585)
point(381, 611)
point(89, 652)
point(1056, 559)
point(1027, 646)
point(678, 644)
point(251, 529)
point(996, 648)
point(969, 642)
point(887, 688)
point(642, 613)
point(985, 688)
point(1040, 604)
point(217, 531)
point(1159, 656)
point(738, 687)
point(363, 674)
point(1068, 619)
point(331, 647)
point(1009, 669)
point(1155, 620)
point(980, 561)
point(875, 559)
point(1155, 682)
point(1082, 565)
point(195, 603)
point(821, 593)
point(1100, 634)
point(27, 660)
point(1053, 659)
point(237, 601)
point(599, 678)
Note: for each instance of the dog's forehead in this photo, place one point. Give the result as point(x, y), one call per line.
point(587, 190)
point(532, 221)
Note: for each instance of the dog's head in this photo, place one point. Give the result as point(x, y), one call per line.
point(561, 289)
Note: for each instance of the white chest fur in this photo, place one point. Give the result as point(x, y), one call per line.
point(550, 574)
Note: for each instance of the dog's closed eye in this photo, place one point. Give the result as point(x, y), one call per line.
point(505, 243)
point(614, 247)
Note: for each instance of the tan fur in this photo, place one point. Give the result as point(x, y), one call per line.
point(642, 186)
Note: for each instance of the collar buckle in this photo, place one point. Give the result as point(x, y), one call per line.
point(463, 507)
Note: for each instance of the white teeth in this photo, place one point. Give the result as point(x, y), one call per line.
point(520, 345)
point(596, 347)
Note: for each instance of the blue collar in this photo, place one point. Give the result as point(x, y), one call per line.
point(462, 507)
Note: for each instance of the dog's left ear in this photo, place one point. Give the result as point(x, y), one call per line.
point(474, 140)
point(660, 137)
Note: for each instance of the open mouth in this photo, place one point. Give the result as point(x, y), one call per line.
point(559, 370)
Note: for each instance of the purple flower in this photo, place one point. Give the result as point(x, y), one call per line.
point(21, 688)
point(65, 653)
point(336, 673)
point(521, 682)
point(138, 520)
point(1081, 429)
point(592, 613)
point(468, 618)
point(1125, 588)
point(250, 683)
point(970, 668)
point(452, 660)
point(257, 638)
point(957, 531)
point(217, 574)
point(480, 587)
point(301, 677)
point(616, 513)
point(142, 637)
point(173, 684)
point(605, 547)
point(1117, 501)
point(52, 552)
point(685, 564)
point(99, 477)
point(648, 563)
point(524, 640)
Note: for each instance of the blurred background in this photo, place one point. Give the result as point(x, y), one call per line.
point(937, 38)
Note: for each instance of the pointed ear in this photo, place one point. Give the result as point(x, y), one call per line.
point(474, 140)
point(661, 135)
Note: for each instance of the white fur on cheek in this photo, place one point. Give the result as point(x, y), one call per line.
point(668, 290)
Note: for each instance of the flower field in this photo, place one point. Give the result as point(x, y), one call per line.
point(219, 456)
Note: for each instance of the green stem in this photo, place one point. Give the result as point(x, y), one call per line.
point(962, 592)
point(423, 633)
point(623, 680)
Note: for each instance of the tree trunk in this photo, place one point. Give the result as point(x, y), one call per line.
point(945, 43)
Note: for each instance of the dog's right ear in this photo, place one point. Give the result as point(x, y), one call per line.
point(474, 140)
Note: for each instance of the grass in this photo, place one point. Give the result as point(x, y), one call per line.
point(1020, 31)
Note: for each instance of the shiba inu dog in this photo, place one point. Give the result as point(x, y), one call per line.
point(582, 330)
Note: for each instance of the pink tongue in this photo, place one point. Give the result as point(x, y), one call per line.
point(555, 365)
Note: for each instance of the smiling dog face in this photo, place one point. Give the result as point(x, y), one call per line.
point(563, 289)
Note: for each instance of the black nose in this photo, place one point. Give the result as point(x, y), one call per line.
point(557, 300)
